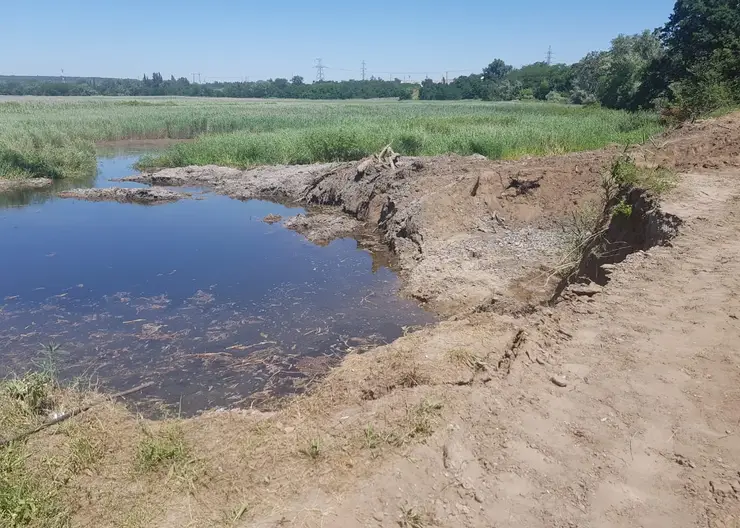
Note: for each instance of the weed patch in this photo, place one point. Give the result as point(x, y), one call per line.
point(165, 448)
point(25, 498)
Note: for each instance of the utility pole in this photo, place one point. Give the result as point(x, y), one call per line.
point(363, 70)
point(549, 55)
point(319, 70)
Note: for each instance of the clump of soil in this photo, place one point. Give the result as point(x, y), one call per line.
point(272, 219)
point(322, 228)
point(149, 196)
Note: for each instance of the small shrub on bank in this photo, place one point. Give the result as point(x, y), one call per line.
point(626, 173)
point(32, 390)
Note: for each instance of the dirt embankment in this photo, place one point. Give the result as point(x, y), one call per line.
point(148, 196)
point(463, 228)
point(468, 232)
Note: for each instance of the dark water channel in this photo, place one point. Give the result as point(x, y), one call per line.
point(201, 297)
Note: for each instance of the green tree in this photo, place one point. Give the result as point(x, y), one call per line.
point(701, 70)
point(625, 68)
point(496, 71)
point(703, 33)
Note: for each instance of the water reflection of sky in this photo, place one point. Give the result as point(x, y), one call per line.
point(199, 296)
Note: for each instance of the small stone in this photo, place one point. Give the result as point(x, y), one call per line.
point(560, 382)
point(478, 498)
point(586, 289)
point(378, 516)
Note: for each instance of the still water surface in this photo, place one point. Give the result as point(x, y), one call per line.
point(201, 297)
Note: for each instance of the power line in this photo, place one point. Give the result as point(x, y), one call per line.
point(319, 70)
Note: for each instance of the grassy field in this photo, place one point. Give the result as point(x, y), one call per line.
point(55, 138)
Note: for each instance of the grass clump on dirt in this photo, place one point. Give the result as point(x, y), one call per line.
point(26, 497)
point(626, 173)
point(165, 448)
point(47, 138)
point(313, 449)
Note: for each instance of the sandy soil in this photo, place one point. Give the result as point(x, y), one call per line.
point(644, 432)
point(619, 406)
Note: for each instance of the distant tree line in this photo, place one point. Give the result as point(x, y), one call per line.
point(157, 85)
point(688, 67)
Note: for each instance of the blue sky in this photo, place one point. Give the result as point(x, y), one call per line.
point(231, 40)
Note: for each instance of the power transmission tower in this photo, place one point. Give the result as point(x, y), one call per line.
point(319, 70)
point(549, 55)
point(63, 75)
point(363, 70)
point(194, 74)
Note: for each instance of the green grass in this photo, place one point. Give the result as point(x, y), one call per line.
point(26, 498)
point(55, 138)
point(163, 449)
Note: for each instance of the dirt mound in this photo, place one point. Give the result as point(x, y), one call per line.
point(149, 196)
point(708, 144)
point(322, 228)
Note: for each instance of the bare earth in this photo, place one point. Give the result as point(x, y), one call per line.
point(646, 432)
point(617, 407)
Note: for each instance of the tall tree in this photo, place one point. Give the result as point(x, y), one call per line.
point(704, 32)
point(626, 68)
point(496, 71)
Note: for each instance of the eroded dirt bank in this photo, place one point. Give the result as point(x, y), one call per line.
point(467, 231)
point(461, 229)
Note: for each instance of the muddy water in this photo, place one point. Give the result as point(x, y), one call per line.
point(201, 297)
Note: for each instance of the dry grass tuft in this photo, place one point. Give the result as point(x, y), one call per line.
point(467, 359)
point(410, 518)
point(313, 449)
